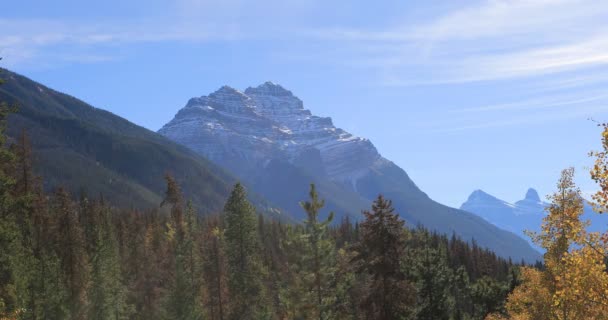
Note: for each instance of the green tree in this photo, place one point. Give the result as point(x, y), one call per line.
point(380, 253)
point(50, 294)
point(346, 288)
point(433, 281)
point(214, 264)
point(184, 299)
point(71, 248)
point(318, 256)
point(108, 294)
point(244, 267)
point(488, 296)
point(13, 250)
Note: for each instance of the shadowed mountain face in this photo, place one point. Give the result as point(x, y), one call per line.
point(81, 147)
point(525, 214)
point(266, 137)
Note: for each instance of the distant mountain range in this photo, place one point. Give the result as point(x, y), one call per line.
point(525, 214)
point(266, 137)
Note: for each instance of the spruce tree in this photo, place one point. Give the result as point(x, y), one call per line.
point(214, 266)
point(380, 254)
point(244, 267)
point(71, 248)
point(318, 257)
point(294, 292)
point(433, 280)
point(108, 294)
point(183, 300)
point(346, 287)
point(14, 251)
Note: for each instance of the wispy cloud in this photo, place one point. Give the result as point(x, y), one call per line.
point(580, 113)
point(545, 102)
point(491, 40)
point(508, 19)
point(193, 21)
point(483, 41)
point(42, 41)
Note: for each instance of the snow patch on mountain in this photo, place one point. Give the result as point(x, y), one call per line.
point(525, 214)
point(268, 122)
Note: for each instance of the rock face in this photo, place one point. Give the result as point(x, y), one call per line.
point(525, 214)
point(266, 137)
point(268, 122)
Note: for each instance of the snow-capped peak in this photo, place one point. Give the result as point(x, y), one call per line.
point(268, 121)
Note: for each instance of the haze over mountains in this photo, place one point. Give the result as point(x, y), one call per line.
point(262, 136)
point(266, 137)
point(525, 214)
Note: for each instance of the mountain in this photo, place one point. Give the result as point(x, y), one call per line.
point(525, 214)
point(81, 147)
point(266, 137)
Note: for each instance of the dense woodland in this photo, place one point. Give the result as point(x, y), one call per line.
point(66, 256)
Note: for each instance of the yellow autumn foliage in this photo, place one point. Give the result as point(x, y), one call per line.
point(574, 283)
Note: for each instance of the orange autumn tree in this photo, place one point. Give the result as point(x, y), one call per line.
point(574, 284)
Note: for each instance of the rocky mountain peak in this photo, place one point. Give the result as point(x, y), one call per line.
point(480, 195)
point(227, 93)
point(274, 101)
point(265, 137)
point(269, 88)
point(532, 195)
point(270, 122)
point(226, 99)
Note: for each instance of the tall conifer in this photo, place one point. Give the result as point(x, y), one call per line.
point(380, 254)
point(242, 248)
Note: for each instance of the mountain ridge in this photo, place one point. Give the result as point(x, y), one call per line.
point(525, 214)
point(83, 148)
point(244, 131)
point(78, 145)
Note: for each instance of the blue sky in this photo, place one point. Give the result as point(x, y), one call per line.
point(464, 95)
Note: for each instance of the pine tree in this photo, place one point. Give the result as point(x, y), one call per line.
point(154, 271)
point(488, 296)
point(461, 292)
point(48, 297)
point(15, 253)
point(214, 264)
point(318, 257)
point(108, 294)
point(380, 253)
point(244, 268)
point(433, 280)
point(294, 294)
point(184, 300)
point(71, 248)
point(346, 288)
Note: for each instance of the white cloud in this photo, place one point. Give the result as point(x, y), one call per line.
point(538, 61)
point(489, 40)
point(544, 102)
point(504, 18)
point(37, 41)
point(492, 40)
point(580, 113)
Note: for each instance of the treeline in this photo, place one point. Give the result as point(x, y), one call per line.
point(65, 257)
